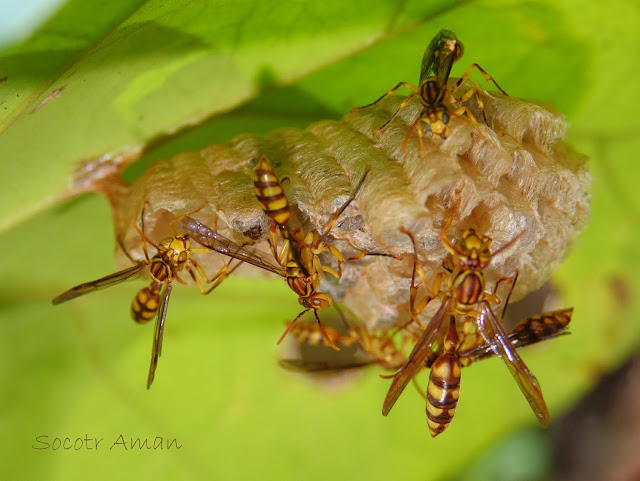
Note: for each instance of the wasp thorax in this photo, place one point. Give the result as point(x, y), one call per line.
point(431, 93)
point(160, 269)
point(300, 286)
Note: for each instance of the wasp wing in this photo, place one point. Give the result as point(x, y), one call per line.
point(419, 354)
point(210, 239)
point(528, 331)
point(440, 56)
point(493, 333)
point(102, 283)
point(158, 334)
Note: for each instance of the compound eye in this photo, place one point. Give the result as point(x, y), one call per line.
point(445, 117)
point(459, 50)
point(428, 127)
point(320, 300)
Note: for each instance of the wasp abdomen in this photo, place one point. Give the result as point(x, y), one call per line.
point(145, 305)
point(270, 193)
point(443, 391)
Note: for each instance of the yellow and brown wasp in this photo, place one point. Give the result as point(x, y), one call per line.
point(465, 322)
point(381, 349)
point(298, 261)
point(435, 95)
point(378, 348)
point(173, 255)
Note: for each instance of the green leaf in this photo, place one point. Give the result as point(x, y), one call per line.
point(137, 72)
point(141, 74)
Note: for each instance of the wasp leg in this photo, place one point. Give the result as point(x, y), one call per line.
point(468, 94)
point(341, 259)
point(317, 243)
point(486, 76)
point(179, 218)
point(217, 279)
point(411, 87)
point(513, 281)
point(400, 107)
point(126, 252)
point(417, 308)
point(408, 136)
point(144, 239)
point(143, 236)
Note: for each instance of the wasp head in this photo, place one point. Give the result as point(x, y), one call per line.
point(472, 252)
point(316, 301)
point(176, 249)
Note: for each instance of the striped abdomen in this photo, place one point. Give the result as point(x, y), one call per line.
point(443, 391)
point(270, 193)
point(541, 327)
point(145, 305)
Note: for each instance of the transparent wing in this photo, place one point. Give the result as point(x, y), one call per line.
point(492, 331)
point(156, 348)
point(528, 331)
point(217, 242)
point(102, 283)
point(440, 56)
point(419, 354)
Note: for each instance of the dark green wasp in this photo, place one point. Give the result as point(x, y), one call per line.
point(435, 95)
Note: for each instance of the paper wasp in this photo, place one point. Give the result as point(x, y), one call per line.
point(434, 92)
point(381, 349)
point(298, 261)
point(463, 295)
point(173, 255)
point(378, 348)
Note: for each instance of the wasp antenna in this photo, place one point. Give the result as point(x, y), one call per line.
point(508, 244)
point(506, 301)
point(290, 326)
point(332, 344)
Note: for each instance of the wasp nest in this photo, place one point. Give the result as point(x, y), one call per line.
point(511, 175)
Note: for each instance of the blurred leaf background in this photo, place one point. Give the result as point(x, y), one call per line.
point(170, 76)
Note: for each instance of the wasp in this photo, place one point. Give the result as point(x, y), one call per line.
point(380, 348)
point(298, 261)
point(433, 91)
point(463, 296)
point(173, 256)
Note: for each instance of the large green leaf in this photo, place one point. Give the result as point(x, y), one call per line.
point(79, 369)
point(162, 67)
